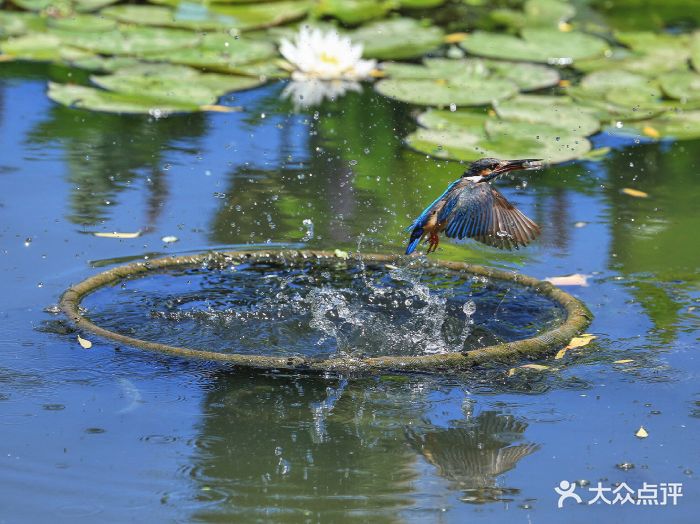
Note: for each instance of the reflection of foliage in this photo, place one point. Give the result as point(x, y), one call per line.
point(104, 153)
point(650, 235)
point(300, 446)
point(472, 458)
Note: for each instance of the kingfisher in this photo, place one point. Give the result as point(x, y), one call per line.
point(471, 207)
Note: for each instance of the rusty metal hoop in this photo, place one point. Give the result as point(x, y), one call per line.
point(578, 317)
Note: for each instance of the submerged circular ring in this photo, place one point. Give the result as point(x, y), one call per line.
point(578, 317)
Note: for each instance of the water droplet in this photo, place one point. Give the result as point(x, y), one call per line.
point(27, 241)
point(353, 162)
point(453, 107)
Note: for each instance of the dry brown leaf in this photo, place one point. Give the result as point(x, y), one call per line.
point(220, 109)
point(577, 279)
point(641, 433)
point(85, 343)
point(116, 234)
point(576, 342)
point(536, 367)
point(565, 27)
point(455, 38)
point(634, 192)
point(624, 361)
point(580, 341)
point(650, 132)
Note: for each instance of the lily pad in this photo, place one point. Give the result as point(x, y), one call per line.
point(398, 38)
point(462, 120)
point(682, 85)
point(441, 93)
point(261, 15)
point(173, 83)
point(354, 12)
point(82, 23)
point(16, 24)
point(134, 41)
point(105, 101)
point(80, 6)
point(536, 13)
point(536, 45)
point(503, 141)
point(557, 112)
point(219, 52)
point(695, 51)
point(186, 16)
point(681, 125)
point(649, 63)
point(525, 76)
point(40, 47)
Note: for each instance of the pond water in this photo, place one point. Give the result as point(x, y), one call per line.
point(113, 434)
point(321, 309)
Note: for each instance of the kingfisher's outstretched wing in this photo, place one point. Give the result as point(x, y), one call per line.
point(481, 212)
point(427, 210)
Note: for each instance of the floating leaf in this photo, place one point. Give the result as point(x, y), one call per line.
point(84, 343)
point(169, 239)
point(81, 23)
point(536, 367)
point(454, 120)
point(695, 50)
point(65, 5)
point(16, 24)
point(134, 41)
point(624, 361)
point(115, 234)
point(681, 85)
point(641, 433)
point(681, 125)
point(187, 16)
point(536, 45)
point(634, 192)
point(525, 76)
point(354, 12)
point(99, 100)
point(398, 38)
point(38, 47)
point(173, 83)
point(263, 14)
point(555, 111)
point(577, 279)
point(460, 92)
point(218, 52)
point(580, 341)
point(536, 13)
point(502, 141)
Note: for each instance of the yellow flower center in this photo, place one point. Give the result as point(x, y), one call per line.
point(328, 59)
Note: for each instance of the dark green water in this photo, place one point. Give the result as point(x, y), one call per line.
point(112, 434)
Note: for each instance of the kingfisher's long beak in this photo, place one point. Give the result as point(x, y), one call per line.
point(515, 165)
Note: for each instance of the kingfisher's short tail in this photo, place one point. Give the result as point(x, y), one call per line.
point(416, 235)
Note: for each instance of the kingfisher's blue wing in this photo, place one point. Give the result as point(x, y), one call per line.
point(426, 211)
point(481, 212)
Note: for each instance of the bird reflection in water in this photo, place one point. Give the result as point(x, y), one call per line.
point(472, 458)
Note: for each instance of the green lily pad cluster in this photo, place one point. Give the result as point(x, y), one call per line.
point(528, 81)
point(637, 84)
point(527, 126)
point(456, 83)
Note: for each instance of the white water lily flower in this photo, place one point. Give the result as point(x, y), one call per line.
point(325, 56)
point(310, 93)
